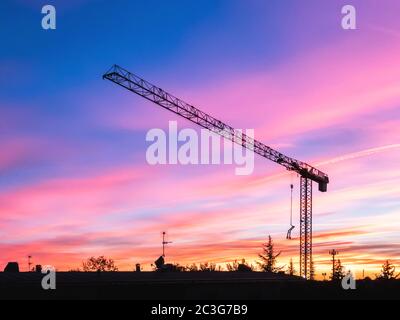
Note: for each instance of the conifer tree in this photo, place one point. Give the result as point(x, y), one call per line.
point(387, 272)
point(268, 261)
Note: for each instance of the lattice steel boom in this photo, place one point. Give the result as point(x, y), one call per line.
point(308, 173)
point(305, 227)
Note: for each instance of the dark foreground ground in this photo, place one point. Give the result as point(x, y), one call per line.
point(187, 285)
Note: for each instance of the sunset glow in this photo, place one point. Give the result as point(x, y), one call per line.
point(74, 181)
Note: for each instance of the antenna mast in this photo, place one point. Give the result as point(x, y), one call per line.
point(164, 243)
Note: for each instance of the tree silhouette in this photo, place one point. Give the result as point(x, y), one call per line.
point(175, 267)
point(192, 268)
point(338, 271)
point(387, 271)
point(312, 270)
point(207, 267)
point(267, 261)
point(241, 267)
point(291, 270)
point(99, 264)
point(234, 266)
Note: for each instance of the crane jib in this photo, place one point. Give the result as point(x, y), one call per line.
point(155, 94)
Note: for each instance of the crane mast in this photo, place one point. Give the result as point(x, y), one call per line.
point(307, 173)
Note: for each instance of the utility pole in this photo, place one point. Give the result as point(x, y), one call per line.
point(333, 253)
point(29, 263)
point(164, 243)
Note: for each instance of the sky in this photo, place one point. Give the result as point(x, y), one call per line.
point(74, 180)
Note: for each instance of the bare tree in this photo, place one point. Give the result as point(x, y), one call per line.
point(234, 266)
point(241, 267)
point(99, 264)
point(192, 268)
point(208, 267)
point(267, 261)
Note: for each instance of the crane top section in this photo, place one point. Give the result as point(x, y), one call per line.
point(166, 100)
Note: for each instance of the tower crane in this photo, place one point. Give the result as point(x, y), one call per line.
point(308, 174)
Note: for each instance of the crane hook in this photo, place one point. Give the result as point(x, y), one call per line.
point(289, 233)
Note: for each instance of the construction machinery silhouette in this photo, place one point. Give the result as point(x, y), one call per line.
point(307, 173)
